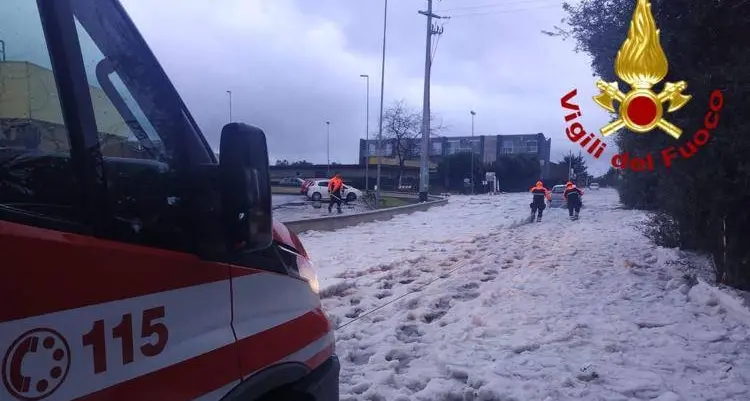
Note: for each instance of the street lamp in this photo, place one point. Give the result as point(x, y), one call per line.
point(230, 105)
point(382, 90)
point(472, 151)
point(367, 134)
point(328, 146)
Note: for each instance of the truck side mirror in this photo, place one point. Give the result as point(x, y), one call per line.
point(245, 187)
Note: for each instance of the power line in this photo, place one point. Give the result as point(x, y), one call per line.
point(437, 40)
point(418, 289)
point(498, 4)
point(412, 291)
point(476, 14)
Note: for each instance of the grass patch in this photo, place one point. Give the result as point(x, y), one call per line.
point(387, 201)
point(284, 190)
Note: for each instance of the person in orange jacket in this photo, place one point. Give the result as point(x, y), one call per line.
point(335, 186)
point(572, 197)
point(537, 205)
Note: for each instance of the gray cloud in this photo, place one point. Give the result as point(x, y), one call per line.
point(294, 64)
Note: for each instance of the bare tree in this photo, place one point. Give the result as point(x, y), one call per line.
point(401, 127)
point(437, 128)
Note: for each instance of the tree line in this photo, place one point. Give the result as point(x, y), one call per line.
point(402, 129)
point(702, 202)
point(515, 172)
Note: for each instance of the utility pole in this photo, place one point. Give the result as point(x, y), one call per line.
point(230, 105)
point(328, 147)
point(367, 135)
point(472, 151)
point(382, 90)
point(570, 164)
point(424, 170)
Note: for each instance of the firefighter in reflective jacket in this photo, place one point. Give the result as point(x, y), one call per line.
point(335, 185)
point(540, 193)
point(572, 197)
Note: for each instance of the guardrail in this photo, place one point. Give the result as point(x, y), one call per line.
point(330, 223)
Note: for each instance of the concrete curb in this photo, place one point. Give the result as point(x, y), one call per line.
point(336, 222)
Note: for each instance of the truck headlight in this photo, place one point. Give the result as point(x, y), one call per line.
point(307, 271)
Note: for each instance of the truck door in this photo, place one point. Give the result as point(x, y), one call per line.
point(102, 295)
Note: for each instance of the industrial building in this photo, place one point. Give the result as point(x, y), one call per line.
point(487, 147)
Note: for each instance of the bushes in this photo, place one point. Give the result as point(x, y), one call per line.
point(516, 172)
point(703, 202)
point(663, 230)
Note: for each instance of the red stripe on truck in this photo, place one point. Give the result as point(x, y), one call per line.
point(197, 376)
point(320, 357)
point(264, 348)
point(46, 271)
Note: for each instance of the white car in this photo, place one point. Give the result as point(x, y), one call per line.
point(594, 186)
point(557, 197)
point(291, 182)
point(319, 190)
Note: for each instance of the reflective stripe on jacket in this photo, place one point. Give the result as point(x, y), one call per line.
point(540, 191)
point(575, 191)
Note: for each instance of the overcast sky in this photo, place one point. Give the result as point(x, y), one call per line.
point(294, 64)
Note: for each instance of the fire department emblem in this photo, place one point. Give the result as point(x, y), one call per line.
point(641, 63)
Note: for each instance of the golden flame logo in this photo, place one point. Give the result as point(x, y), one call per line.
point(641, 63)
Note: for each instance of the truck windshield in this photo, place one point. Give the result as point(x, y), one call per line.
point(137, 110)
point(148, 140)
point(32, 130)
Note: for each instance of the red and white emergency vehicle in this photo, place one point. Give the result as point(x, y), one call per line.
point(133, 264)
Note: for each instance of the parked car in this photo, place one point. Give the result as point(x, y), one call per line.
point(141, 288)
point(291, 182)
point(594, 186)
point(319, 190)
point(306, 184)
point(557, 198)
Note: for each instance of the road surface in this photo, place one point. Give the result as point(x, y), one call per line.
point(466, 302)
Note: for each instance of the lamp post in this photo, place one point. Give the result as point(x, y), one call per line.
point(328, 147)
point(367, 134)
point(472, 150)
point(230, 105)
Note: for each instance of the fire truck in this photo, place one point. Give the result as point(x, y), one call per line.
point(134, 265)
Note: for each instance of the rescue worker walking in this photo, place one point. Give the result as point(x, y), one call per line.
point(572, 197)
point(335, 185)
point(540, 194)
